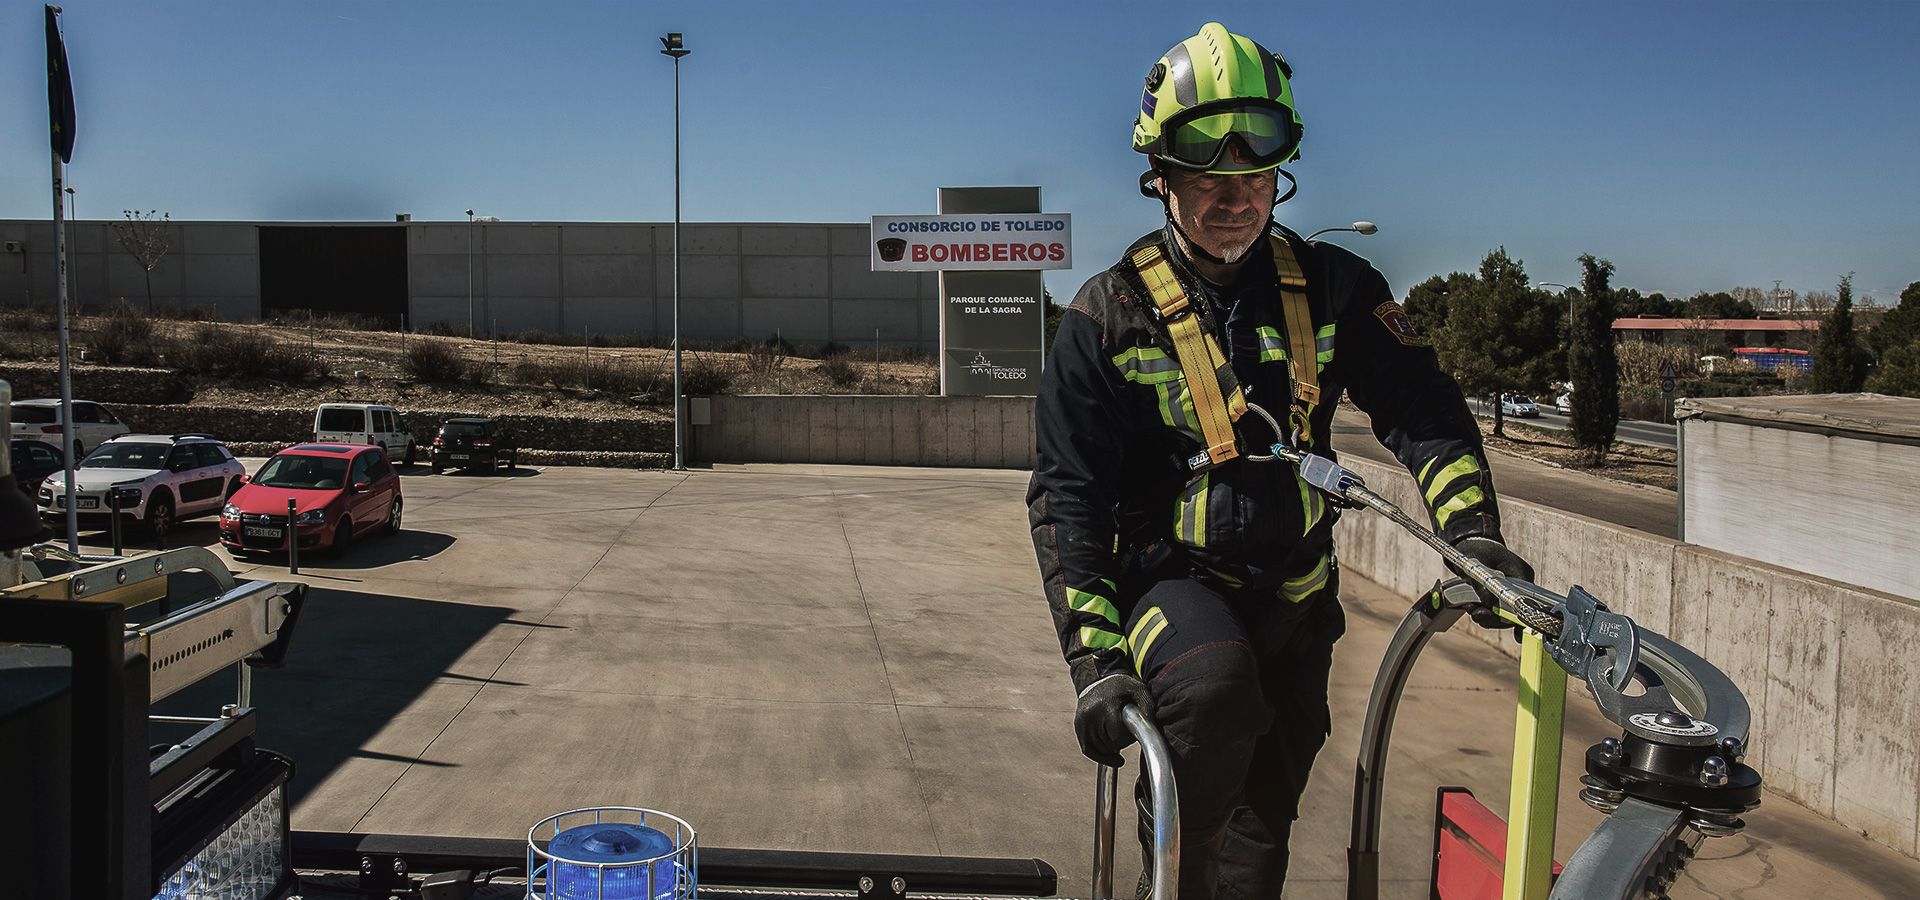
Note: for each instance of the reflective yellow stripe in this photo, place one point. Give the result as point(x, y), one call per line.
point(1147, 365)
point(1312, 507)
point(1427, 468)
point(1454, 471)
point(1100, 638)
point(1323, 345)
point(1459, 503)
point(1081, 601)
point(1273, 347)
point(1190, 514)
point(1298, 589)
point(1140, 649)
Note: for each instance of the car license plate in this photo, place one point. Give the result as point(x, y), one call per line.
point(456, 456)
point(87, 503)
point(264, 532)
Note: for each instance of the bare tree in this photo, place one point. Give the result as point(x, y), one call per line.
point(147, 237)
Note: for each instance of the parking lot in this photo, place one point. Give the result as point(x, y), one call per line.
point(815, 657)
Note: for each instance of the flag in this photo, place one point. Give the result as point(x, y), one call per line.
point(59, 89)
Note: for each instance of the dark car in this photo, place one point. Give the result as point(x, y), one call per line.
point(473, 444)
point(33, 461)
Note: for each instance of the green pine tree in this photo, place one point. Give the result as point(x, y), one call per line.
point(1591, 362)
point(1839, 362)
point(1500, 334)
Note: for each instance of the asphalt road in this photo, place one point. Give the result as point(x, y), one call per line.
point(1632, 431)
point(1648, 509)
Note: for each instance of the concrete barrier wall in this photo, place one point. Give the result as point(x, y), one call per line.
point(809, 282)
point(1830, 669)
point(971, 432)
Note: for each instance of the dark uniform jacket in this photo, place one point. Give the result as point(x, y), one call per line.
point(1115, 427)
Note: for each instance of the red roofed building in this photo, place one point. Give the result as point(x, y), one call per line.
point(1739, 332)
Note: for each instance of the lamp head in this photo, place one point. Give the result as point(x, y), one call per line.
point(1365, 227)
point(672, 45)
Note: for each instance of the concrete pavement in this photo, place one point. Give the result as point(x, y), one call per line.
point(821, 657)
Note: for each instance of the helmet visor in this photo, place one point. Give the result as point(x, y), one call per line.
point(1265, 133)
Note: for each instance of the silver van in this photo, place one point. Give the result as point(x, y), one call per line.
point(364, 423)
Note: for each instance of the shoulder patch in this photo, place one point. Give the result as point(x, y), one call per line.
point(1395, 317)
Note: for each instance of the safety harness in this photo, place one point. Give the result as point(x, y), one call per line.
point(1218, 401)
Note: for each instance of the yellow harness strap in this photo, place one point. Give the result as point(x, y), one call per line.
point(1302, 355)
point(1217, 399)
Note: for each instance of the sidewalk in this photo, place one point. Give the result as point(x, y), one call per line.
point(824, 658)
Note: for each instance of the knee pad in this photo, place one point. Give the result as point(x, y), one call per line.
point(1209, 700)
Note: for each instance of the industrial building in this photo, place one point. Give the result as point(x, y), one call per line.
point(808, 283)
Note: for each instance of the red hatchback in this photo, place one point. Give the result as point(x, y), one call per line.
point(340, 492)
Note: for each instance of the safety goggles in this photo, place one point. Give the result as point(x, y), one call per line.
point(1199, 138)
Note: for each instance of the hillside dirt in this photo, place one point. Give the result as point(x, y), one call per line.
point(1624, 462)
point(509, 376)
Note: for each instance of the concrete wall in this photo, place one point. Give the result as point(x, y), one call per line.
point(1835, 506)
point(209, 264)
point(1828, 668)
point(983, 432)
point(809, 283)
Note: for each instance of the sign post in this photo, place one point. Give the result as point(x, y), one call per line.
point(1667, 375)
point(989, 246)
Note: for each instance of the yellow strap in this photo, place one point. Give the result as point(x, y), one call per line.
point(1201, 361)
point(1301, 351)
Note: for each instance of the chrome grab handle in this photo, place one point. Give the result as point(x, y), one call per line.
point(1166, 813)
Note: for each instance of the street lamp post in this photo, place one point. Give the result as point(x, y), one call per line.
point(1360, 228)
point(673, 47)
point(469, 273)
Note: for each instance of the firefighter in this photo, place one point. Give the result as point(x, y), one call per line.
point(1186, 576)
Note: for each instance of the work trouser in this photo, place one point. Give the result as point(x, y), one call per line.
point(1239, 680)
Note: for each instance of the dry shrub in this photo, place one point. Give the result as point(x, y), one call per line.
point(842, 371)
point(126, 337)
point(436, 362)
point(704, 375)
point(244, 353)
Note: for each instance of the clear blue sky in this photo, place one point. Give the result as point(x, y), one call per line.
point(1697, 145)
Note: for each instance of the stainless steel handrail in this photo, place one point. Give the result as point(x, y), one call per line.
point(1158, 761)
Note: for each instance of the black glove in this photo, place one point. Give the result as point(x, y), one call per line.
point(1496, 556)
point(1097, 721)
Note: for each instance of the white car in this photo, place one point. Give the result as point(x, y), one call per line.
point(155, 480)
point(39, 420)
point(1564, 403)
point(364, 423)
point(1519, 406)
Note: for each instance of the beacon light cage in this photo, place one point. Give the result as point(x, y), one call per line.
point(553, 874)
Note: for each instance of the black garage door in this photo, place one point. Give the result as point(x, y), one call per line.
point(360, 269)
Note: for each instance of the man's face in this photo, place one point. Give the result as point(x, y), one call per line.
point(1224, 214)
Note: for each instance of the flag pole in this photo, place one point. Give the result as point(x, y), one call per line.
point(66, 365)
point(60, 118)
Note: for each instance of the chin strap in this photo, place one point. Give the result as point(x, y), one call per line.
point(1192, 246)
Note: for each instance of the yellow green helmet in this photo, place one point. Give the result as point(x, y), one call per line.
point(1214, 86)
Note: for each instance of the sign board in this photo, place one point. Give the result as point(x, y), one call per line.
point(1666, 385)
point(989, 245)
point(1668, 372)
point(999, 241)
